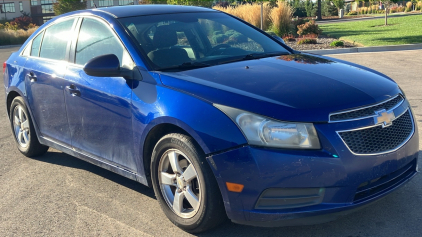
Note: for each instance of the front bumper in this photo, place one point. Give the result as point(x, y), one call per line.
point(340, 173)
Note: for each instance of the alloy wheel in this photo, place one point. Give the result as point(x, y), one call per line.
point(21, 126)
point(179, 183)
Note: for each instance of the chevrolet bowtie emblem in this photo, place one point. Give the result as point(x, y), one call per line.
point(385, 118)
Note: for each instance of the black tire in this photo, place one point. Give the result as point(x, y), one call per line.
point(32, 147)
point(211, 212)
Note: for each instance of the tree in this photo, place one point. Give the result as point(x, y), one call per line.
point(415, 4)
point(64, 6)
point(319, 15)
point(309, 7)
point(387, 4)
point(339, 4)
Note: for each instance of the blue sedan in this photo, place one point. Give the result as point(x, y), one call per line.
point(223, 120)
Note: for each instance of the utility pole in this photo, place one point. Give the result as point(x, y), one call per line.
point(262, 15)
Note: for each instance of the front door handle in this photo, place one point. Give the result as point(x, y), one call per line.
point(73, 90)
point(32, 77)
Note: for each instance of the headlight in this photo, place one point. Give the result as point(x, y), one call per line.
point(262, 131)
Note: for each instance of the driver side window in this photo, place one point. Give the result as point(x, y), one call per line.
point(96, 39)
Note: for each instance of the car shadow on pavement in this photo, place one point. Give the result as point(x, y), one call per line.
point(63, 159)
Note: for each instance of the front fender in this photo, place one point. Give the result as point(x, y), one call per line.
point(155, 104)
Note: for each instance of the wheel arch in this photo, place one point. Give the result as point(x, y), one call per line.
point(156, 130)
point(10, 97)
point(14, 92)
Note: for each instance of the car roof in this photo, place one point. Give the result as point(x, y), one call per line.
point(143, 10)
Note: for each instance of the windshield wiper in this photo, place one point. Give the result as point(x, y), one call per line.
point(254, 56)
point(186, 66)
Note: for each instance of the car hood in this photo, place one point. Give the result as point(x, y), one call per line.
point(296, 87)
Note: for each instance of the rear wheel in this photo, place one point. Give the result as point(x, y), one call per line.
point(23, 129)
point(184, 185)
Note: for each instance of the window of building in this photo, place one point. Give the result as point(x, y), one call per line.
point(48, 1)
point(47, 6)
point(105, 3)
point(34, 2)
point(47, 18)
point(8, 7)
point(55, 40)
point(20, 7)
point(125, 2)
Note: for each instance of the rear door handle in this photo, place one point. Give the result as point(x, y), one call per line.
point(73, 90)
point(32, 77)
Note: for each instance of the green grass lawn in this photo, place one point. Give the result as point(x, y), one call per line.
point(400, 30)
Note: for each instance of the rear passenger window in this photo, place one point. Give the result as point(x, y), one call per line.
point(55, 40)
point(35, 47)
point(96, 39)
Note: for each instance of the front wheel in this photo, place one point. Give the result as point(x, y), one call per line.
point(184, 185)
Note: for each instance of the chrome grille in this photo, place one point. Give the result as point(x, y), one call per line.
point(376, 140)
point(366, 111)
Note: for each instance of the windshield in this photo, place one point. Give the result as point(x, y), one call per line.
point(191, 40)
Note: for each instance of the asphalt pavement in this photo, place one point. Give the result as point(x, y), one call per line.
point(59, 195)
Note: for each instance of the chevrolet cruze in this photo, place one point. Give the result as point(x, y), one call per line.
point(220, 118)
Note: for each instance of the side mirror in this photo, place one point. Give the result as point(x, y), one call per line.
point(279, 39)
point(106, 66)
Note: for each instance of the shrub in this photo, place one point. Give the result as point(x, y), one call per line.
point(250, 13)
point(328, 9)
point(419, 5)
point(352, 13)
point(297, 22)
point(222, 4)
point(281, 16)
point(22, 22)
point(306, 41)
point(409, 5)
point(289, 38)
point(337, 43)
point(309, 28)
point(8, 36)
point(400, 9)
point(299, 12)
point(11, 26)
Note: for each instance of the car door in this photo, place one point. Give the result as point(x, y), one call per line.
point(45, 69)
point(99, 108)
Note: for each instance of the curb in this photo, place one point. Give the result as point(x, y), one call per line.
point(344, 20)
point(9, 46)
point(366, 49)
